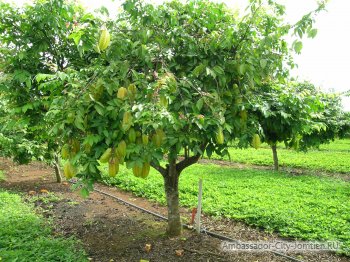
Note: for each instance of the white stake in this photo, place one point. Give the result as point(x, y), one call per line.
point(199, 207)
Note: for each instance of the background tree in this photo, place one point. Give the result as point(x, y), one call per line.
point(35, 42)
point(13, 140)
point(333, 117)
point(299, 115)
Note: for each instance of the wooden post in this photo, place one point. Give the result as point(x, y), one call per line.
point(199, 207)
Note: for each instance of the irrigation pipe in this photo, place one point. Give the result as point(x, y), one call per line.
point(213, 234)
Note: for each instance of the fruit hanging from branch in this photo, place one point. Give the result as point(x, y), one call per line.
point(122, 93)
point(106, 155)
point(69, 170)
point(256, 141)
point(220, 136)
point(104, 40)
point(113, 166)
point(65, 151)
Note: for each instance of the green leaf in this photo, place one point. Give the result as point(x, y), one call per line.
point(26, 107)
point(242, 69)
point(21, 75)
point(209, 151)
point(298, 45)
point(210, 72)
point(99, 109)
point(29, 83)
point(218, 70)
point(79, 122)
point(198, 70)
point(84, 192)
point(76, 36)
point(199, 104)
point(312, 33)
point(263, 63)
point(41, 77)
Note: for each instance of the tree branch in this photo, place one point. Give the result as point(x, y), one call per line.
point(159, 168)
point(235, 48)
point(186, 162)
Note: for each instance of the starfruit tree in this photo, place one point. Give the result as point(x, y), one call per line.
point(167, 78)
point(36, 44)
point(299, 115)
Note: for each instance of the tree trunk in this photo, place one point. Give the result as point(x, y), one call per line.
point(171, 185)
point(275, 157)
point(57, 169)
point(171, 176)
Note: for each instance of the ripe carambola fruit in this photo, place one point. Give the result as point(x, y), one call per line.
point(238, 100)
point(87, 148)
point(97, 89)
point(105, 39)
point(127, 121)
point(121, 149)
point(145, 139)
point(75, 146)
point(122, 92)
point(132, 135)
point(235, 89)
point(113, 166)
point(145, 170)
point(158, 137)
point(138, 140)
point(69, 170)
point(163, 101)
point(65, 151)
point(244, 116)
point(156, 140)
point(256, 141)
point(106, 155)
point(132, 90)
point(70, 118)
point(137, 170)
point(220, 136)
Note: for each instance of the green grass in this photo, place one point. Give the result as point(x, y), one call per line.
point(305, 207)
point(337, 145)
point(25, 236)
point(2, 175)
point(333, 157)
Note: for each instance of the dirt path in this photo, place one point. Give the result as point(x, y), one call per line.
point(111, 231)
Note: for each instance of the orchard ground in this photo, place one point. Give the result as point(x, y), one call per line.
point(278, 202)
point(109, 230)
point(331, 158)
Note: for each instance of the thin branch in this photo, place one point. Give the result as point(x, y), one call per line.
point(186, 162)
point(159, 168)
point(247, 28)
point(186, 152)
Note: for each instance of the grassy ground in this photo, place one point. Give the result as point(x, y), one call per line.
point(305, 207)
point(2, 175)
point(333, 157)
point(25, 236)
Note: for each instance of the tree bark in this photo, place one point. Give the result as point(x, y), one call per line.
point(57, 169)
point(171, 186)
point(171, 176)
point(275, 157)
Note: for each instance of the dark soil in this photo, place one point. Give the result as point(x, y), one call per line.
point(111, 231)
